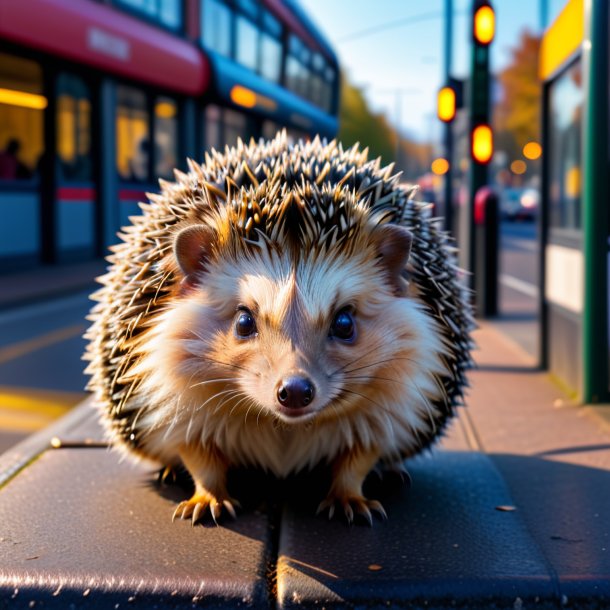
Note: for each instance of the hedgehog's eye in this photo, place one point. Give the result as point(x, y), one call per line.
point(245, 325)
point(343, 326)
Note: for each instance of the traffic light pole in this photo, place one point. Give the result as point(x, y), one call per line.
point(448, 128)
point(479, 99)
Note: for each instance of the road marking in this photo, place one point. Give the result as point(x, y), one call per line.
point(25, 410)
point(524, 244)
point(22, 348)
point(531, 290)
point(47, 308)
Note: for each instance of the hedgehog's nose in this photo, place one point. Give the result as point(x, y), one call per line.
point(295, 392)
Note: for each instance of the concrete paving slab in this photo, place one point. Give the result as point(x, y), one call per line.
point(82, 529)
point(446, 545)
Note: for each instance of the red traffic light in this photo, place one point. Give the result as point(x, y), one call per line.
point(484, 24)
point(446, 104)
point(482, 144)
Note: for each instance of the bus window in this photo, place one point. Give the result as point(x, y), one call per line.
point(21, 117)
point(271, 48)
point(213, 128)
point(166, 137)
point(165, 12)
point(270, 129)
point(73, 128)
point(235, 127)
point(132, 135)
point(247, 43)
point(564, 148)
point(216, 26)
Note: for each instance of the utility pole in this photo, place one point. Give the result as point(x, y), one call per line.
point(448, 125)
point(481, 136)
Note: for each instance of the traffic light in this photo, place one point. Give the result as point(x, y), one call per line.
point(481, 137)
point(483, 24)
point(449, 100)
point(445, 108)
point(482, 144)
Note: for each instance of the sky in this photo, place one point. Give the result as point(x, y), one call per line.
point(405, 53)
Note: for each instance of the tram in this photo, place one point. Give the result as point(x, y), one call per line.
point(575, 223)
point(100, 99)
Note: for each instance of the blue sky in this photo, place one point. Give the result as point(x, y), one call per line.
point(409, 56)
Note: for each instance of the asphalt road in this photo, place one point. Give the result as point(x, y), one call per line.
point(519, 284)
point(41, 372)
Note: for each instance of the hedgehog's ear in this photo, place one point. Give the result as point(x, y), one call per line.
point(192, 248)
point(394, 247)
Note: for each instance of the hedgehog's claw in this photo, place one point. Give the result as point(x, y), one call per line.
point(400, 470)
point(200, 504)
point(352, 506)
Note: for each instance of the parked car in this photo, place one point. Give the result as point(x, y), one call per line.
point(519, 203)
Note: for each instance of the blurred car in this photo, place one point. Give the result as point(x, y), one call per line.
point(519, 204)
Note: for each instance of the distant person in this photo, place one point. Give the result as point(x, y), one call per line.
point(9, 161)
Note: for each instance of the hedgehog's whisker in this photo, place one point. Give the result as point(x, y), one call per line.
point(217, 380)
point(378, 362)
point(229, 364)
point(411, 385)
point(226, 399)
point(369, 352)
point(214, 396)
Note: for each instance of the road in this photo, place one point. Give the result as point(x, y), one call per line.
point(41, 372)
point(519, 259)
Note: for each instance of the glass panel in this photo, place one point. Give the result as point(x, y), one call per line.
point(318, 62)
point(564, 149)
point(73, 128)
point(171, 13)
point(294, 45)
point(316, 94)
point(213, 127)
point(166, 137)
point(132, 135)
point(21, 117)
point(304, 81)
point(271, 58)
point(250, 7)
point(235, 127)
point(167, 12)
point(216, 27)
point(272, 25)
point(270, 129)
point(326, 92)
point(246, 37)
point(293, 72)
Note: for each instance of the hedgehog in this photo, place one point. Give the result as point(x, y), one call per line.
point(280, 306)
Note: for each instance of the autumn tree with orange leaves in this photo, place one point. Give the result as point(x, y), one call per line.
point(517, 114)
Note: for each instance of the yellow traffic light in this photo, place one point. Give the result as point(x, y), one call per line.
point(484, 25)
point(482, 144)
point(445, 107)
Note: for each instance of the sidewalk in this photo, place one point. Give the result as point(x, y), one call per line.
point(511, 511)
point(22, 287)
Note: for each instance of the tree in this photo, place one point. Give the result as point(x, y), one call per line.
point(517, 115)
point(357, 123)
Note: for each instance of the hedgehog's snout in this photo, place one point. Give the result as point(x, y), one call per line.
point(294, 394)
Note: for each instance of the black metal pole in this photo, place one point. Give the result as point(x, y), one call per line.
point(448, 212)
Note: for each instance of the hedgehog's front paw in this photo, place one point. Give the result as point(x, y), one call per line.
point(352, 505)
point(201, 503)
